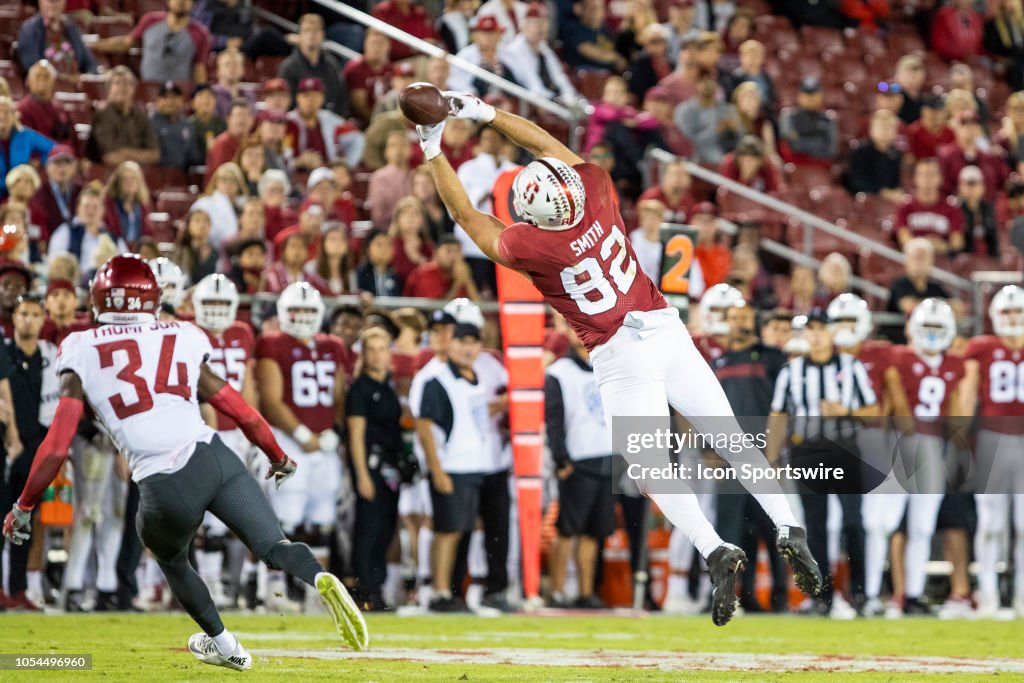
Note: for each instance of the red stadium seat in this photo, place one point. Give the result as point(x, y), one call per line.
point(590, 82)
point(808, 177)
point(106, 27)
point(266, 68)
point(903, 43)
point(175, 203)
point(822, 39)
point(163, 178)
point(94, 86)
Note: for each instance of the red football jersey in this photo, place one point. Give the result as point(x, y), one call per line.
point(709, 348)
point(232, 350)
point(927, 387)
point(404, 365)
point(54, 334)
point(589, 273)
point(874, 354)
point(1001, 386)
point(308, 372)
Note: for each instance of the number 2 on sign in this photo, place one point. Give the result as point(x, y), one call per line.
point(676, 280)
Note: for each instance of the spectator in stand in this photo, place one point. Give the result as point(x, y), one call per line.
point(52, 36)
point(910, 76)
point(230, 71)
point(928, 133)
point(680, 26)
point(439, 221)
point(226, 145)
point(1004, 39)
point(230, 22)
point(750, 165)
point(402, 75)
point(875, 164)
point(391, 182)
point(481, 52)
point(907, 291)
point(173, 131)
point(627, 130)
point(251, 223)
point(37, 110)
point(194, 253)
point(274, 188)
point(14, 218)
point(276, 96)
point(446, 276)
point(961, 77)
point(646, 239)
point(870, 15)
point(377, 138)
point(329, 187)
point(638, 16)
point(809, 136)
point(707, 51)
point(930, 213)
point(22, 183)
point(965, 150)
point(84, 234)
point(224, 194)
point(127, 203)
point(804, 293)
point(673, 190)
point(658, 103)
point(309, 60)
point(453, 24)
point(289, 266)
point(332, 269)
point(587, 43)
point(534, 64)
point(981, 231)
point(714, 258)
point(714, 15)
point(174, 46)
point(408, 231)
point(319, 135)
point(510, 15)
point(681, 84)
point(55, 201)
point(407, 16)
point(121, 130)
point(368, 77)
point(248, 262)
point(651, 64)
point(957, 30)
point(834, 275)
point(19, 144)
point(751, 68)
point(888, 96)
point(252, 159)
point(457, 143)
point(271, 127)
point(376, 276)
point(753, 117)
point(750, 276)
point(1011, 132)
point(712, 125)
point(204, 124)
point(738, 30)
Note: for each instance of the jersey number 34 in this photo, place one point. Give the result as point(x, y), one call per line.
point(129, 374)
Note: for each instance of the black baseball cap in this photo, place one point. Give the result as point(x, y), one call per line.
point(466, 330)
point(440, 317)
point(818, 315)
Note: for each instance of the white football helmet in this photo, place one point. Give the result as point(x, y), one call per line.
point(932, 326)
point(850, 320)
point(300, 310)
point(171, 279)
point(1007, 311)
point(215, 302)
point(714, 305)
point(465, 311)
point(797, 343)
point(549, 194)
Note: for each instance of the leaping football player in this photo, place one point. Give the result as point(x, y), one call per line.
point(144, 379)
point(572, 246)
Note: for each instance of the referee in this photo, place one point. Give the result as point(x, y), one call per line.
point(375, 441)
point(825, 391)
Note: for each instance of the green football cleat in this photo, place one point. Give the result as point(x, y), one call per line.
point(347, 617)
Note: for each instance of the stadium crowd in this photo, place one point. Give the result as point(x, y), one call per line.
point(211, 144)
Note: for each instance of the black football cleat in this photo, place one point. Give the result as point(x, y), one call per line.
point(724, 564)
point(792, 544)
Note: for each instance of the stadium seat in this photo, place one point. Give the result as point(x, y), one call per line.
point(162, 226)
point(105, 27)
point(590, 82)
point(175, 203)
point(823, 40)
point(808, 177)
point(266, 68)
point(903, 43)
point(165, 178)
point(94, 86)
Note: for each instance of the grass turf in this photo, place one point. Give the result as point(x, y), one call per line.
point(152, 647)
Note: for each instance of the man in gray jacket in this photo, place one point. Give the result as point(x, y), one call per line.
point(712, 125)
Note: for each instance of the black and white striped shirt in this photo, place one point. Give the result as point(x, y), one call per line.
point(802, 385)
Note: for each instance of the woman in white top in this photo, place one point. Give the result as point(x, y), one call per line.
point(226, 191)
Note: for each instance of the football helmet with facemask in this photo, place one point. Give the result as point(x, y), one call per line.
point(125, 291)
point(215, 302)
point(850, 320)
point(1007, 311)
point(300, 310)
point(549, 193)
point(171, 279)
point(714, 305)
point(932, 326)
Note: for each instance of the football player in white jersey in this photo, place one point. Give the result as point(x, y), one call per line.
point(172, 281)
point(144, 379)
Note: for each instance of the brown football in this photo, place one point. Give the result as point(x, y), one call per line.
point(423, 104)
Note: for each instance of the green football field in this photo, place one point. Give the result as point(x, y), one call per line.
point(534, 648)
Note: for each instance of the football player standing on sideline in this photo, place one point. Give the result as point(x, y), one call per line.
point(144, 379)
point(643, 357)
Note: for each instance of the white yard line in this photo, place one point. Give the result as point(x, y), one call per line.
point(660, 660)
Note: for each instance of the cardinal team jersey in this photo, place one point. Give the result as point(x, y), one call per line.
point(874, 354)
point(709, 347)
point(1001, 389)
point(589, 273)
point(141, 381)
point(231, 352)
point(308, 372)
point(928, 381)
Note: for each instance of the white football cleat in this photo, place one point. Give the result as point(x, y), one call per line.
point(841, 609)
point(956, 608)
point(204, 649)
point(347, 617)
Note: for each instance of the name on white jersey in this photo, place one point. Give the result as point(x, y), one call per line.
point(587, 239)
point(117, 330)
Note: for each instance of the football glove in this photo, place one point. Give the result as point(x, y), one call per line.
point(282, 471)
point(430, 139)
point(18, 525)
point(465, 106)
